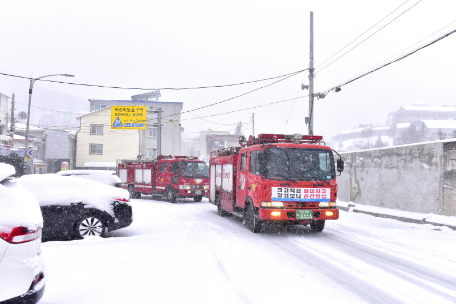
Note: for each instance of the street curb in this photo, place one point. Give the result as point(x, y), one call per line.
point(394, 217)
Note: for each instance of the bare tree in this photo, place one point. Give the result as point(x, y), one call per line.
point(238, 130)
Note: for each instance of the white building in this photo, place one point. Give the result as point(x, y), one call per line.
point(98, 143)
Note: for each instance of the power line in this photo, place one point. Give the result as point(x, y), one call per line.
point(217, 123)
point(391, 62)
point(152, 89)
point(363, 33)
point(284, 77)
point(61, 111)
point(239, 110)
point(411, 45)
point(237, 96)
point(367, 37)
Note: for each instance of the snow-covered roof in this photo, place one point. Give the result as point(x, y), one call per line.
point(100, 164)
point(18, 207)
point(359, 130)
point(101, 176)
point(440, 124)
point(6, 171)
point(427, 109)
point(23, 127)
point(52, 189)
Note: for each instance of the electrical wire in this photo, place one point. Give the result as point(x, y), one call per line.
point(152, 89)
point(291, 110)
point(239, 110)
point(386, 60)
point(60, 111)
point(217, 123)
point(392, 61)
point(367, 38)
point(219, 102)
point(362, 34)
point(237, 96)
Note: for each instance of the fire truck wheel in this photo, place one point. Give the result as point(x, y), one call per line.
point(252, 221)
point(317, 226)
point(131, 191)
point(198, 198)
point(171, 196)
point(220, 211)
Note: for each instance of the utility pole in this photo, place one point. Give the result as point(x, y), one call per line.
point(311, 78)
point(11, 130)
point(253, 124)
point(159, 131)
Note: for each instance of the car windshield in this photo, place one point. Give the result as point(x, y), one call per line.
point(194, 169)
point(297, 164)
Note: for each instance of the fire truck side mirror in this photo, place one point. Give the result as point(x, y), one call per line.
point(340, 165)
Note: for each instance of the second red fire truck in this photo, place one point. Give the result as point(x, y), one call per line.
point(169, 176)
point(288, 179)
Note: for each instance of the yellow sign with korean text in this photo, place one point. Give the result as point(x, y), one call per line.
point(125, 117)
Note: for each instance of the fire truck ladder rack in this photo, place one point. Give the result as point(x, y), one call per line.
point(136, 161)
point(225, 151)
point(282, 138)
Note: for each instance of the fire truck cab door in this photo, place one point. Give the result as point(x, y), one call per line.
point(163, 175)
point(241, 182)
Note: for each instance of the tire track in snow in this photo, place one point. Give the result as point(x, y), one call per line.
point(366, 263)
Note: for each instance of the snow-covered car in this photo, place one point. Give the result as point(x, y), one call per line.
point(74, 207)
point(22, 271)
point(102, 176)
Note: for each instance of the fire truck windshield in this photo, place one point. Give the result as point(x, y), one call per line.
point(193, 169)
point(297, 164)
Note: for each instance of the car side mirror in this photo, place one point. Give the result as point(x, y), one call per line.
point(340, 165)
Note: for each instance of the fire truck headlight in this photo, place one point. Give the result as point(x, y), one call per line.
point(272, 204)
point(205, 187)
point(275, 213)
point(327, 204)
point(184, 187)
point(329, 213)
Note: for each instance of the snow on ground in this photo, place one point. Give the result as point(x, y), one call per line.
point(428, 217)
point(186, 253)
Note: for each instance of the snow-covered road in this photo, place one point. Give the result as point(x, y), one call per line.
point(186, 253)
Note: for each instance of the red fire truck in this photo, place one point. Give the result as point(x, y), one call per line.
point(169, 176)
point(287, 179)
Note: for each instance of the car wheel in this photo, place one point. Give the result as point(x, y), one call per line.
point(171, 196)
point(90, 226)
point(251, 219)
point(317, 226)
point(198, 198)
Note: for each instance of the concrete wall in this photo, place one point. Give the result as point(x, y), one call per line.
point(419, 177)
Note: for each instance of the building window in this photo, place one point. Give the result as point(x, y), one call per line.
point(96, 149)
point(96, 129)
point(99, 107)
point(153, 132)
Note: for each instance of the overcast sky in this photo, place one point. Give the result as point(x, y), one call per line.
point(157, 44)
